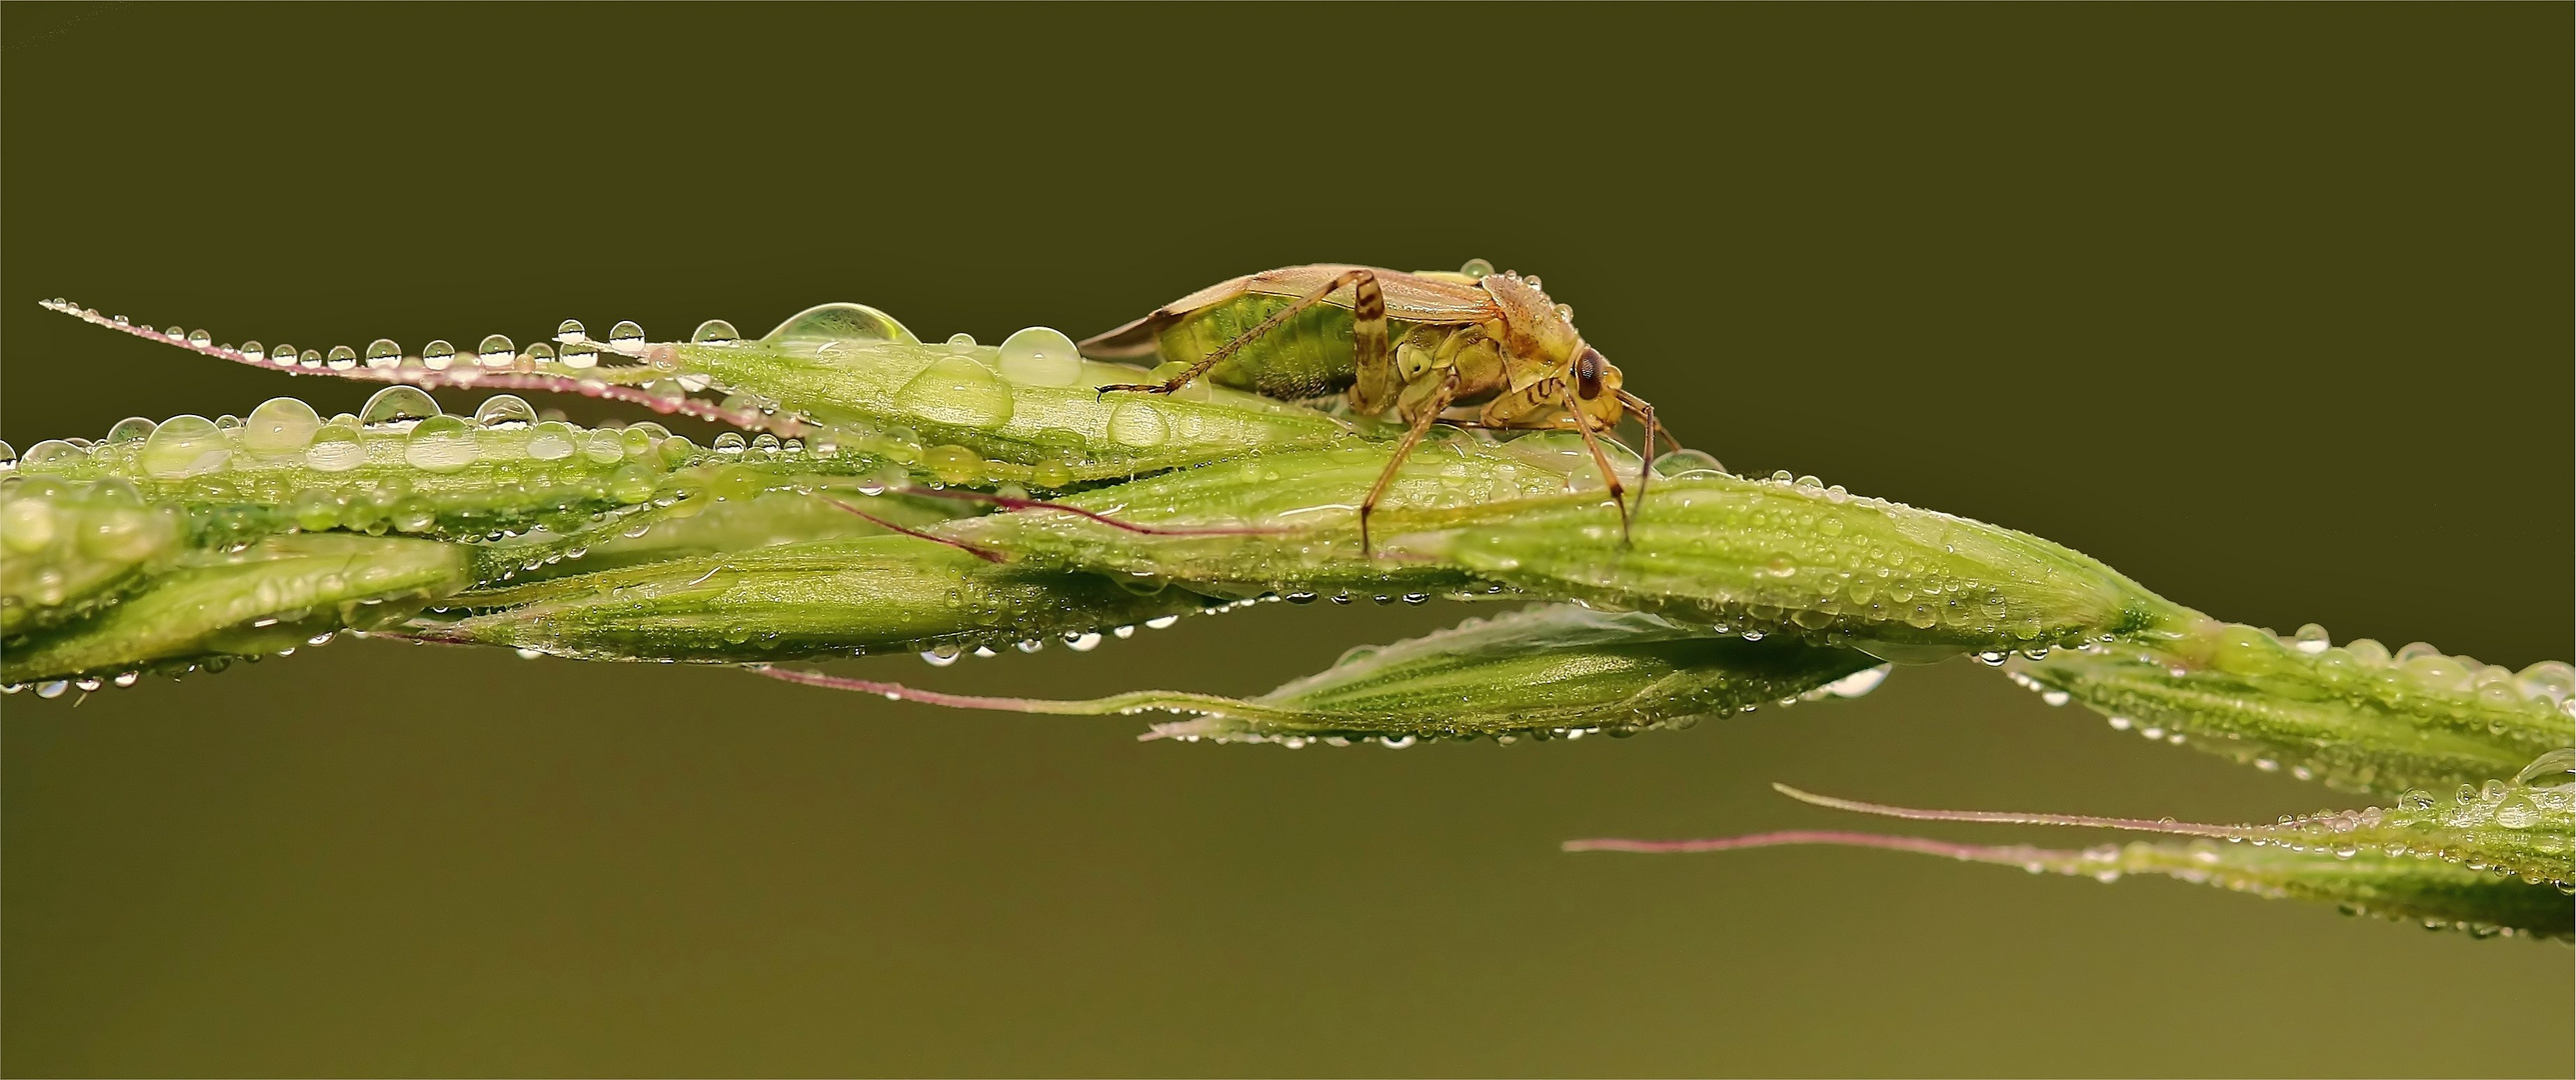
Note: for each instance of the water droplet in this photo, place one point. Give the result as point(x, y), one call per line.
point(1687, 463)
point(2518, 811)
point(1041, 356)
point(282, 355)
point(395, 404)
point(184, 446)
point(1476, 268)
point(309, 358)
point(496, 352)
point(1860, 682)
point(825, 323)
point(1161, 622)
point(714, 332)
point(956, 390)
point(626, 336)
point(570, 330)
point(280, 427)
point(960, 341)
point(440, 444)
point(437, 355)
point(130, 429)
point(941, 656)
point(1084, 642)
point(581, 355)
point(250, 349)
point(336, 448)
point(505, 411)
point(553, 440)
point(2548, 770)
point(200, 338)
point(2055, 697)
point(340, 358)
point(1138, 424)
point(2311, 639)
point(383, 353)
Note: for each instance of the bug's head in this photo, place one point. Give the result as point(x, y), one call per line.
point(1534, 327)
point(1596, 386)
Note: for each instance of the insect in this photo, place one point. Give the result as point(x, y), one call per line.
point(1420, 344)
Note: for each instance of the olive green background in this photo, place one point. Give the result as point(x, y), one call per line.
point(2267, 306)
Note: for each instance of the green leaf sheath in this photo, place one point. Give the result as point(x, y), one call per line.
point(2434, 893)
point(2351, 715)
point(834, 597)
point(268, 597)
point(1555, 671)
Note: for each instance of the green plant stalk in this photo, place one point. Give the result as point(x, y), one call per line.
point(268, 597)
point(1555, 671)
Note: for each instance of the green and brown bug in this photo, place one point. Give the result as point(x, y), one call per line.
point(1418, 344)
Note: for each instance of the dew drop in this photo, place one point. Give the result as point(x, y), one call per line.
point(280, 427)
point(539, 355)
point(581, 355)
point(395, 404)
point(383, 353)
point(200, 338)
point(131, 429)
point(956, 390)
point(340, 358)
point(1161, 622)
point(282, 355)
point(1476, 268)
point(625, 336)
point(1041, 356)
point(553, 440)
point(440, 444)
point(714, 332)
point(1138, 424)
point(309, 358)
point(336, 448)
point(2548, 770)
point(437, 355)
point(184, 446)
point(1859, 683)
point(941, 656)
point(505, 411)
point(250, 349)
point(1083, 642)
point(496, 352)
point(825, 323)
point(571, 330)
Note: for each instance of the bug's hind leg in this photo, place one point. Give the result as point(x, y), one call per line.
point(1431, 410)
point(1368, 330)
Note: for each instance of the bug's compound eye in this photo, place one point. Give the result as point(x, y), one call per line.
point(1588, 366)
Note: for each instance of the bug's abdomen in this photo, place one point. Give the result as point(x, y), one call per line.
point(1310, 356)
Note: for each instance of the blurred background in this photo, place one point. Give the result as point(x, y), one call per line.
point(2267, 306)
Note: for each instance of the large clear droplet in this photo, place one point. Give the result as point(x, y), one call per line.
point(336, 448)
point(280, 427)
point(505, 411)
point(282, 355)
point(383, 353)
point(553, 440)
point(185, 446)
point(309, 358)
point(581, 355)
point(437, 355)
point(496, 352)
point(1138, 424)
point(824, 323)
point(1041, 356)
point(570, 330)
point(539, 355)
point(340, 358)
point(625, 335)
point(440, 444)
point(714, 332)
point(200, 338)
point(956, 390)
point(1476, 268)
point(394, 404)
point(130, 429)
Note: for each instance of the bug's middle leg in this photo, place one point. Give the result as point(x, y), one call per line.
point(1368, 331)
point(1430, 414)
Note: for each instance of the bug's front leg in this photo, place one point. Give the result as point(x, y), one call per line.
point(1368, 330)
